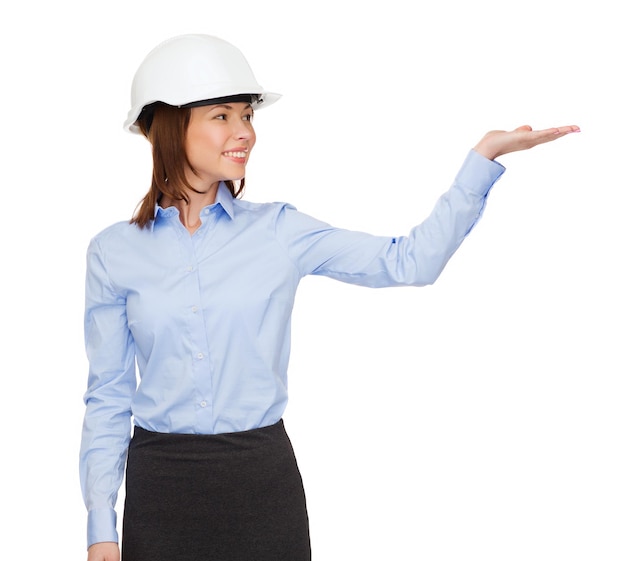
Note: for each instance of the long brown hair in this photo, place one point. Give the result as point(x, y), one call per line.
point(165, 126)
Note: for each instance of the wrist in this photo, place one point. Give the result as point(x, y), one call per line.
point(484, 150)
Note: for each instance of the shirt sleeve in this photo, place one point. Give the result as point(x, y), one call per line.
point(416, 259)
point(111, 386)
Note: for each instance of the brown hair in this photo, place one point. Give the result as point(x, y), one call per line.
point(165, 126)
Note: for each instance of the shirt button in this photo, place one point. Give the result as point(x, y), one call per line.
point(200, 356)
point(194, 309)
point(189, 268)
point(203, 404)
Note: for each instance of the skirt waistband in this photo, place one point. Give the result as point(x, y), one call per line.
point(227, 442)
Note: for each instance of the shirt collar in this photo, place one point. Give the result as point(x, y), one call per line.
point(223, 198)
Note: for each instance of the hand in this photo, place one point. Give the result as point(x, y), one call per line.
point(497, 143)
point(103, 551)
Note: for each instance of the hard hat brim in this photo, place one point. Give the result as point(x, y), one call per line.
point(264, 99)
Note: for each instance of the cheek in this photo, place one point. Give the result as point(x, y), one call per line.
point(200, 145)
point(192, 151)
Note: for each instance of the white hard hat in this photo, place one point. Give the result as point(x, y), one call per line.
point(193, 68)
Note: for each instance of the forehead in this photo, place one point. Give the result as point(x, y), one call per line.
point(239, 106)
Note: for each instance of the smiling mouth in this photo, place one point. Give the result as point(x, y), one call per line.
point(235, 154)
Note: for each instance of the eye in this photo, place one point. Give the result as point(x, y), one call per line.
point(221, 116)
point(248, 117)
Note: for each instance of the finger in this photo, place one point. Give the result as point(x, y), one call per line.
point(546, 135)
point(559, 130)
point(567, 130)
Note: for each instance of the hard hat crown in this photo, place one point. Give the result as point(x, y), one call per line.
point(191, 68)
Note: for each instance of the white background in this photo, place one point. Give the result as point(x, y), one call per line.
point(479, 418)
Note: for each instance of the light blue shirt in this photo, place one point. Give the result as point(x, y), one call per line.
point(205, 318)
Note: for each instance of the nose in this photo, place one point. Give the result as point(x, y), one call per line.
point(243, 130)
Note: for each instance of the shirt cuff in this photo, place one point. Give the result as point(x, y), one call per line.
point(101, 526)
point(478, 174)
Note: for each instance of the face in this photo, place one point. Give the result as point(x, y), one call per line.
point(218, 143)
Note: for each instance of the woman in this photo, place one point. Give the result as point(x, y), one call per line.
point(197, 291)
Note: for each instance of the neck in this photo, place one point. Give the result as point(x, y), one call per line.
point(189, 212)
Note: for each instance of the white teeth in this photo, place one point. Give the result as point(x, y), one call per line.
point(235, 154)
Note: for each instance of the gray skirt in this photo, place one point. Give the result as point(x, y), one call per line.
point(226, 497)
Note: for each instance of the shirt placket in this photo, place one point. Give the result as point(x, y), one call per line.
point(202, 371)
